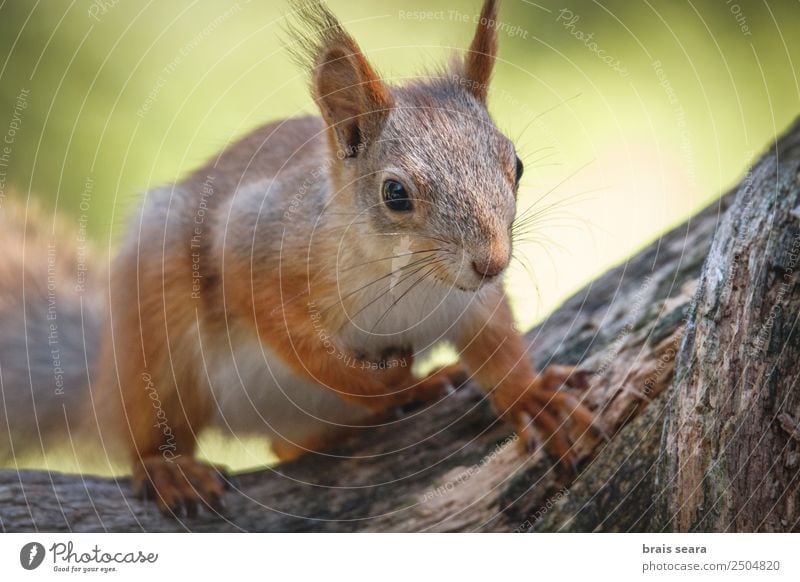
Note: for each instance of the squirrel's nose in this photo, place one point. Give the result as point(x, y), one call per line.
point(490, 267)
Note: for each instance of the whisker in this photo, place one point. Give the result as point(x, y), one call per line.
point(406, 292)
point(343, 213)
point(571, 196)
point(541, 241)
point(555, 219)
point(540, 159)
point(379, 296)
point(407, 234)
point(531, 273)
point(548, 219)
point(575, 198)
point(545, 112)
point(408, 254)
point(335, 227)
point(544, 246)
point(548, 165)
point(558, 185)
point(349, 294)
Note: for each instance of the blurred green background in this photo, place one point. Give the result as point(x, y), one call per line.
point(634, 115)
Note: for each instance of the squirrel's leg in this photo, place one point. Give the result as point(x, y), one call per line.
point(177, 482)
point(162, 439)
point(157, 408)
point(180, 485)
point(494, 352)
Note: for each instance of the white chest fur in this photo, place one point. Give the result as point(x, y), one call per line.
point(402, 316)
point(256, 393)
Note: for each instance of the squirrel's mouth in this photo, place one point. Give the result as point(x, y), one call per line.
point(466, 282)
point(472, 271)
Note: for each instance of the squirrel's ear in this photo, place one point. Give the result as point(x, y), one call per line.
point(352, 98)
point(479, 61)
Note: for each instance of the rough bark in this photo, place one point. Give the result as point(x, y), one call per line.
point(732, 440)
point(719, 450)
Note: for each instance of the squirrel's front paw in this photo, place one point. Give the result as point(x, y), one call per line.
point(180, 485)
point(542, 414)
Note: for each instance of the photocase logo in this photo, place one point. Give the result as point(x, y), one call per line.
point(31, 555)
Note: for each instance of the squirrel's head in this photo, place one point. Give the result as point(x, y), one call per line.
point(421, 163)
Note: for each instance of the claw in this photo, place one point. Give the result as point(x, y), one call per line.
point(180, 487)
point(227, 481)
point(218, 504)
point(542, 412)
point(530, 439)
point(190, 506)
point(579, 379)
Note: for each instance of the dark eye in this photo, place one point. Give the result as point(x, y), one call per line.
point(396, 197)
point(520, 169)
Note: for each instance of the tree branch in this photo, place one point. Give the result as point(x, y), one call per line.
point(454, 467)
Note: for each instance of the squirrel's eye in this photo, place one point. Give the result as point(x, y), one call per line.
point(396, 197)
point(520, 169)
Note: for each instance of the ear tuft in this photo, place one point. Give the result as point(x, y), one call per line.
point(351, 97)
point(479, 61)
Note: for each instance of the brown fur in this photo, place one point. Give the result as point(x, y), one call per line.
point(300, 258)
point(479, 61)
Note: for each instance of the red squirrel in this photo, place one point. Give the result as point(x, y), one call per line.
point(286, 287)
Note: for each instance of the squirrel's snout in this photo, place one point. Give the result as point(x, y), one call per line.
point(492, 259)
point(491, 266)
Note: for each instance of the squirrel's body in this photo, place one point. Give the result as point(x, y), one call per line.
point(286, 287)
point(197, 334)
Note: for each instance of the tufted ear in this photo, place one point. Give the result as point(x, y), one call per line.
point(352, 99)
point(479, 61)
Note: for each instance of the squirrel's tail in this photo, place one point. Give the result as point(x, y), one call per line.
point(49, 330)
